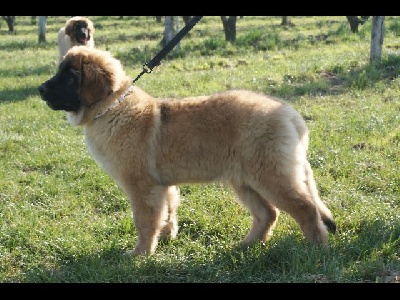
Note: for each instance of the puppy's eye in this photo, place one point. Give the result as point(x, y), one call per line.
point(75, 73)
point(72, 76)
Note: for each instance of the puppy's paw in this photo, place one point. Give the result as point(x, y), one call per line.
point(169, 231)
point(136, 252)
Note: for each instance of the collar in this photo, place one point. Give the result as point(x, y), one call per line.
point(115, 103)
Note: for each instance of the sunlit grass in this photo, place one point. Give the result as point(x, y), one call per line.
point(62, 219)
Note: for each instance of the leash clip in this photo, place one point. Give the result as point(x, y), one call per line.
point(147, 69)
point(171, 44)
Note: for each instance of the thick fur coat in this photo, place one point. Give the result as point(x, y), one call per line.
point(255, 143)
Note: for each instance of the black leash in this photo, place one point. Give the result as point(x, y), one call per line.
point(148, 67)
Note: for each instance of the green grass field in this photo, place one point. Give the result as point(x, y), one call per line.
point(62, 219)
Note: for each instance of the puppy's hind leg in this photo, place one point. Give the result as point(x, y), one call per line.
point(296, 199)
point(154, 213)
point(263, 213)
point(170, 224)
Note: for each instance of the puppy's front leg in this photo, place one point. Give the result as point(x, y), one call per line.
point(150, 212)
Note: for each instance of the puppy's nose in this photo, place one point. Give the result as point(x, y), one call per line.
point(42, 89)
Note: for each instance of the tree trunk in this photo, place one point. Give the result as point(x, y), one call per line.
point(10, 20)
point(377, 34)
point(176, 30)
point(286, 21)
point(169, 31)
point(353, 21)
point(42, 29)
point(229, 28)
point(186, 19)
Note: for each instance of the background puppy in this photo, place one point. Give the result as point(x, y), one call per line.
point(77, 31)
point(256, 143)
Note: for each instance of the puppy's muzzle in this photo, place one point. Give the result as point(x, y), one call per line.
point(57, 101)
point(83, 36)
point(42, 90)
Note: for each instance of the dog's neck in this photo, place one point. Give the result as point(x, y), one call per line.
point(115, 103)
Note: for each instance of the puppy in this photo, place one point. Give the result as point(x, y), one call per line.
point(255, 143)
point(77, 31)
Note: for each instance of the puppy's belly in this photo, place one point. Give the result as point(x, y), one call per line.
point(190, 174)
point(196, 170)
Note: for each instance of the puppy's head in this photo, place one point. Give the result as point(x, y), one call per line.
point(85, 76)
point(80, 30)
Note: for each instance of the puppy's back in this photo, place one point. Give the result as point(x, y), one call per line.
point(64, 43)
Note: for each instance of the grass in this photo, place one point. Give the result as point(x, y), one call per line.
point(62, 219)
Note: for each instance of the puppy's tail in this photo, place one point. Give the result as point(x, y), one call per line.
point(325, 213)
point(329, 223)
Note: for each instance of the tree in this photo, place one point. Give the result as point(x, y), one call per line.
point(229, 28)
point(377, 34)
point(42, 29)
point(10, 20)
point(354, 21)
point(171, 27)
point(286, 21)
point(186, 19)
point(168, 30)
point(176, 29)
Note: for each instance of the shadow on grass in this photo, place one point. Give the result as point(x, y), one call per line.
point(8, 96)
point(327, 82)
point(283, 260)
point(338, 79)
point(29, 90)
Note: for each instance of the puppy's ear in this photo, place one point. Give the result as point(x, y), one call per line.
point(69, 28)
point(90, 26)
point(95, 83)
